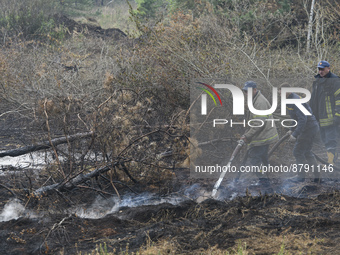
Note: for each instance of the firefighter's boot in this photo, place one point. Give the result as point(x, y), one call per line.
point(330, 156)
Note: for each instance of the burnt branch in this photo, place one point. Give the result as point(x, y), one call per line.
point(44, 145)
point(69, 184)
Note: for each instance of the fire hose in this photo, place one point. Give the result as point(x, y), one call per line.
point(271, 150)
point(234, 154)
point(236, 151)
point(284, 138)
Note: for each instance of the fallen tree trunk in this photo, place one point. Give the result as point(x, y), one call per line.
point(68, 184)
point(44, 145)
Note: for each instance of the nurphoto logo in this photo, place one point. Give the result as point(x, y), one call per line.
point(222, 110)
point(238, 104)
point(238, 99)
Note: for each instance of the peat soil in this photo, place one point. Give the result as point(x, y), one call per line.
point(178, 217)
point(189, 221)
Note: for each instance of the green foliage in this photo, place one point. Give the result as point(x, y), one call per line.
point(150, 9)
point(202, 7)
point(75, 7)
point(23, 19)
point(33, 18)
point(78, 4)
point(27, 18)
point(103, 249)
point(282, 248)
point(285, 6)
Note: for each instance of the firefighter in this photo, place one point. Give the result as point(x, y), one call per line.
point(259, 138)
point(325, 104)
point(303, 134)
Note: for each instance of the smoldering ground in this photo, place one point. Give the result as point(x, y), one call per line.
point(302, 217)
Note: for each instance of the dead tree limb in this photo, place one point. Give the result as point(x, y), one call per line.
point(121, 183)
point(68, 184)
point(97, 190)
point(12, 192)
point(44, 145)
point(127, 172)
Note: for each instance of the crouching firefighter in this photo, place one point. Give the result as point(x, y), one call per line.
point(259, 138)
point(303, 135)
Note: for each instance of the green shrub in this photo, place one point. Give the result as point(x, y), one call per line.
point(150, 9)
point(26, 18)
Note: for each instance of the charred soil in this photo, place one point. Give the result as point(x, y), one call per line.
point(266, 224)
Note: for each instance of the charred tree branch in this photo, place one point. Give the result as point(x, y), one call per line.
point(127, 172)
point(5, 187)
point(44, 145)
point(69, 184)
point(121, 183)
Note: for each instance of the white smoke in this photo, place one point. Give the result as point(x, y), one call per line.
point(104, 206)
point(12, 210)
point(101, 207)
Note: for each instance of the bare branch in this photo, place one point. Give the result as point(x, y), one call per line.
point(44, 145)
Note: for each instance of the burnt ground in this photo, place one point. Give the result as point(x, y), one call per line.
point(264, 223)
point(113, 34)
point(298, 218)
point(307, 221)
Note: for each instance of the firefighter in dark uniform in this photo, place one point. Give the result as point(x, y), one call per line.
point(325, 104)
point(303, 135)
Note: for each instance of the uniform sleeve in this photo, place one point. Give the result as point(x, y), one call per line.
point(337, 100)
point(301, 121)
point(255, 130)
point(292, 115)
point(260, 104)
point(313, 103)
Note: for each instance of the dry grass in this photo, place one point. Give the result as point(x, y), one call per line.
point(260, 243)
point(284, 244)
point(157, 71)
point(114, 15)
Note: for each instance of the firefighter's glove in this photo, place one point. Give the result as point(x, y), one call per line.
point(243, 138)
point(289, 132)
point(242, 142)
point(292, 139)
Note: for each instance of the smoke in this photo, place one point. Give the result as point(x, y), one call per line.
point(101, 207)
point(104, 206)
point(12, 210)
point(229, 190)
